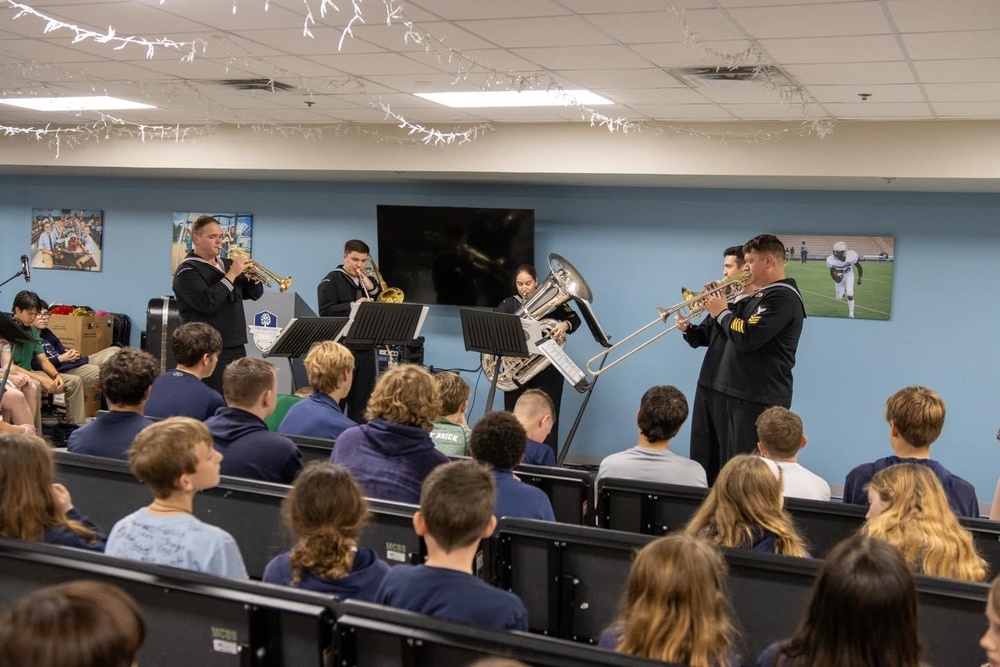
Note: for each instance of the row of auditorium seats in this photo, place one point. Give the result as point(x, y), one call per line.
point(196, 619)
point(571, 577)
point(570, 491)
point(657, 509)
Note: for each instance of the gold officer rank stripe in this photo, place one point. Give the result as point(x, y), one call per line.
point(737, 325)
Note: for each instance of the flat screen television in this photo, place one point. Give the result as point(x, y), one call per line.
point(453, 255)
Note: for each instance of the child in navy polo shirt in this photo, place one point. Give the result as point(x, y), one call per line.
point(456, 512)
point(498, 440)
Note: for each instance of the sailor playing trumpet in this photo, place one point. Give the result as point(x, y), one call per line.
point(211, 289)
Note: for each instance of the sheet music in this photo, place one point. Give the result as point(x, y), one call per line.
point(563, 363)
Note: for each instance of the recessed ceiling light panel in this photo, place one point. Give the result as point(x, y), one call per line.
point(89, 103)
point(512, 98)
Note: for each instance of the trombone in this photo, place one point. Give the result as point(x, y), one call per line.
point(258, 274)
point(692, 306)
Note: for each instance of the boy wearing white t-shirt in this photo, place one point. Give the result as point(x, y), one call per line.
point(779, 436)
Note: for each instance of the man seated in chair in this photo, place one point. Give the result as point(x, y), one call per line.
point(125, 382)
point(69, 361)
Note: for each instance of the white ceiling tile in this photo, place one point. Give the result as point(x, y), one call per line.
point(501, 60)
point(962, 92)
point(424, 82)
point(653, 96)
point(543, 31)
point(741, 93)
point(682, 112)
point(782, 112)
point(813, 20)
point(728, 4)
point(847, 94)
point(434, 36)
point(673, 56)
point(877, 110)
point(629, 6)
point(652, 78)
point(968, 109)
point(664, 26)
point(936, 16)
point(983, 70)
point(325, 41)
point(862, 48)
point(945, 45)
point(376, 63)
point(127, 19)
point(481, 9)
point(851, 73)
point(611, 57)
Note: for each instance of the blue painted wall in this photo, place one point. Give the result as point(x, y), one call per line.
point(635, 246)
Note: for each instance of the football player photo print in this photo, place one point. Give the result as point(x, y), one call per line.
point(842, 276)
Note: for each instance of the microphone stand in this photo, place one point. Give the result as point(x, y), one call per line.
point(19, 273)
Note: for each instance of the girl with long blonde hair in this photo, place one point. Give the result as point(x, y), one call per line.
point(745, 510)
point(326, 512)
point(32, 506)
point(909, 510)
point(674, 608)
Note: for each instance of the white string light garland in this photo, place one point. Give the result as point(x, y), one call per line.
point(466, 66)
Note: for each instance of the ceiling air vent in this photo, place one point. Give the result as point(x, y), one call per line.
point(719, 77)
point(267, 85)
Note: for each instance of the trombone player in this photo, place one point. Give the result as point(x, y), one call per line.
point(347, 284)
point(212, 290)
point(707, 422)
point(761, 335)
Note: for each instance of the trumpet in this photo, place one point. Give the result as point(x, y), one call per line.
point(692, 306)
point(258, 274)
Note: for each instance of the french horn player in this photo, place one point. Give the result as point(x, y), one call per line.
point(345, 285)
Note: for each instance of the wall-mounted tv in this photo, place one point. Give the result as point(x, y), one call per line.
point(452, 255)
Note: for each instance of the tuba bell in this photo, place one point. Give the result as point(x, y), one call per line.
point(563, 283)
point(387, 294)
point(258, 274)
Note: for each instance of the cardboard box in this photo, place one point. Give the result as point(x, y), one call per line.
point(85, 334)
point(91, 400)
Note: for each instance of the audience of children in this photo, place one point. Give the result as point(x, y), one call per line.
point(393, 453)
point(175, 458)
point(180, 391)
point(125, 380)
point(32, 505)
point(863, 612)
point(744, 509)
point(249, 450)
point(498, 440)
point(662, 412)
point(537, 414)
point(908, 509)
point(916, 417)
point(330, 368)
point(674, 607)
point(456, 513)
point(779, 438)
point(451, 431)
point(76, 624)
point(326, 512)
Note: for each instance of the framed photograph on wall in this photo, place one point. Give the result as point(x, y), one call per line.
point(67, 238)
point(237, 230)
point(841, 275)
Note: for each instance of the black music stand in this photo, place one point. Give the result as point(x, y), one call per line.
point(299, 335)
point(499, 334)
point(377, 324)
point(14, 334)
